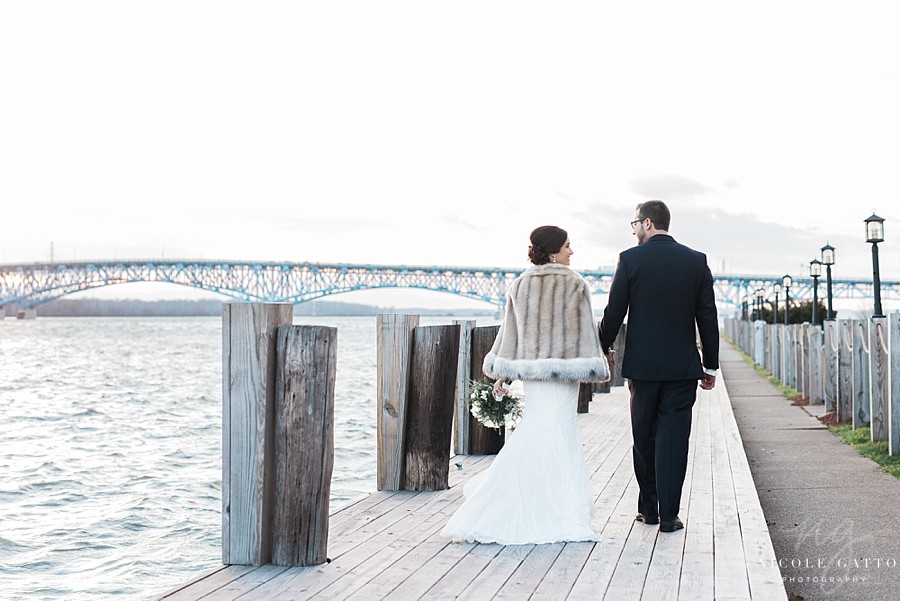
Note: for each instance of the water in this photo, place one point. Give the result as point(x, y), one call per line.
point(110, 450)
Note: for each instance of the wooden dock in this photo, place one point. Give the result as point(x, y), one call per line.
point(388, 545)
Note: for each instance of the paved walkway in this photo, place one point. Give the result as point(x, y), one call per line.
point(833, 515)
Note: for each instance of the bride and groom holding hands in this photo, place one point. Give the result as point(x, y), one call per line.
point(537, 490)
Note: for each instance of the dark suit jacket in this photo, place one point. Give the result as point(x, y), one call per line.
point(666, 289)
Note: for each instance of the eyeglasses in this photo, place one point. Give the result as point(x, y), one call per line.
point(636, 221)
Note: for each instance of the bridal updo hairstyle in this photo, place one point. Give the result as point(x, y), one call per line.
point(545, 241)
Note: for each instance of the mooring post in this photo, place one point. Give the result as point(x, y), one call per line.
point(861, 380)
point(880, 387)
point(482, 440)
point(894, 327)
point(304, 443)
point(830, 344)
point(394, 358)
point(463, 374)
point(845, 371)
point(249, 332)
point(430, 405)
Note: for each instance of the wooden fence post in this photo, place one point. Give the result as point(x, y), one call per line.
point(463, 374)
point(249, 332)
point(861, 395)
point(878, 355)
point(846, 336)
point(432, 400)
point(894, 440)
point(778, 351)
point(395, 341)
point(759, 355)
point(482, 440)
point(803, 348)
point(789, 362)
point(815, 365)
point(304, 444)
point(831, 366)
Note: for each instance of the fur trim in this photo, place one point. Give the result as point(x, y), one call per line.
point(582, 370)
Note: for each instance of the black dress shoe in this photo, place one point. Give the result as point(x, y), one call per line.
point(672, 526)
point(647, 519)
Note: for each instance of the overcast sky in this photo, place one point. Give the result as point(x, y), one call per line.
point(441, 133)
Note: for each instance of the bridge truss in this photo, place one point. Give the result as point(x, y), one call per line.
point(30, 285)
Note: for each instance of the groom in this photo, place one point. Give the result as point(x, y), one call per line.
point(667, 290)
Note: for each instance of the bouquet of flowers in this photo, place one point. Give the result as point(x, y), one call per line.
point(490, 410)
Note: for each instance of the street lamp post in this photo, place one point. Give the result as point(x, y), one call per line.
point(744, 309)
point(786, 281)
point(815, 270)
point(828, 261)
point(777, 289)
point(759, 302)
point(874, 235)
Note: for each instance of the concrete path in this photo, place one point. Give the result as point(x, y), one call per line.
point(833, 515)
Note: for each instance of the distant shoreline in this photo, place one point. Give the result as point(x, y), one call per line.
point(203, 308)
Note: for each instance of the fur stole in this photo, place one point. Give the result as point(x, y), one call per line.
point(549, 331)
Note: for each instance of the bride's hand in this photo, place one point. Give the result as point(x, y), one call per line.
point(499, 389)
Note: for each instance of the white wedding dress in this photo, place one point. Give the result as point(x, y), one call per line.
point(537, 490)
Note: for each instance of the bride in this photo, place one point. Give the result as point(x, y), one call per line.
point(537, 489)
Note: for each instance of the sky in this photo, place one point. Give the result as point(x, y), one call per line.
point(442, 133)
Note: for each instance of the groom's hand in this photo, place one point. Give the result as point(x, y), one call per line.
point(611, 357)
point(707, 382)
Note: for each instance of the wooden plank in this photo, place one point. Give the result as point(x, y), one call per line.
point(763, 573)
point(562, 575)
point(246, 584)
point(880, 385)
point(730, 565)
point(207, 583)
point(394, 345)
point(460, 576)
point(526, 578)
point(419, 581)
point(696, 580)
point(492, 578)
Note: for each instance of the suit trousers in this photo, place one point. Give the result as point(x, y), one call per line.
point(661, 428)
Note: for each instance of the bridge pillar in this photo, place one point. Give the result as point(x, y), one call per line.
point(27, 314)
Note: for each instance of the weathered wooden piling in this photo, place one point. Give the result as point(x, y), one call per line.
point(894, 328)
point(394, 356)
point(304, 443)
point(249, 333)
point(814, 362)
point(429, 414)
point(482, 440)
point(861, 380)
point(878, 348)
point(585, 392)
point(846, 336)
point(463, 374)
point(830, 360)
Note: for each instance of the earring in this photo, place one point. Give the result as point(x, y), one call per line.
point(553, 258)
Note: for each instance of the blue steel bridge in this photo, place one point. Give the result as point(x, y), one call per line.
point(29, 285)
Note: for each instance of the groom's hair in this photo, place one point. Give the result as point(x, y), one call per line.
point(657, 212)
